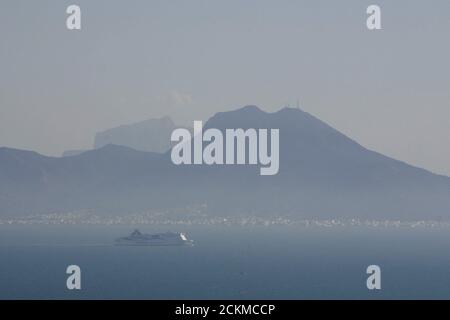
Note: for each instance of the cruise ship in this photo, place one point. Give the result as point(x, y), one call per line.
point(136, 238)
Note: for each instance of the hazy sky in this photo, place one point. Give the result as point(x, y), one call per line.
point(134, 60)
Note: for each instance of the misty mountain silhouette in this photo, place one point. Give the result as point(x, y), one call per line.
point(152, 135)
point(323, 174)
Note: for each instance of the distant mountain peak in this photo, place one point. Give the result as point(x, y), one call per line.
point(149, 135)
point(291, 110)
point(248, 109)
point(323, 174)
point(251, 108)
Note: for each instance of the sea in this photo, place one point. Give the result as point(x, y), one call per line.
point(226, 262)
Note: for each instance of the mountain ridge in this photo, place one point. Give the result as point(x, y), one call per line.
point(323, 173)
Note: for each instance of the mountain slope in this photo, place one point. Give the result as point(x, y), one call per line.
point(151, 135)
point(323, 174)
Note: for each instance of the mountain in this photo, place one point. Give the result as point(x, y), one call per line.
point(323, 174)
point(71, 153)
point(99, 179)
point(150, 135)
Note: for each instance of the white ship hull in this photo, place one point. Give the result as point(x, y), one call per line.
point(162, 239)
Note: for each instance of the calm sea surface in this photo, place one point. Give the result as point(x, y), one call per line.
point(276, 262)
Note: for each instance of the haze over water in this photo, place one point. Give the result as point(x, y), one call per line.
point(227, 262)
